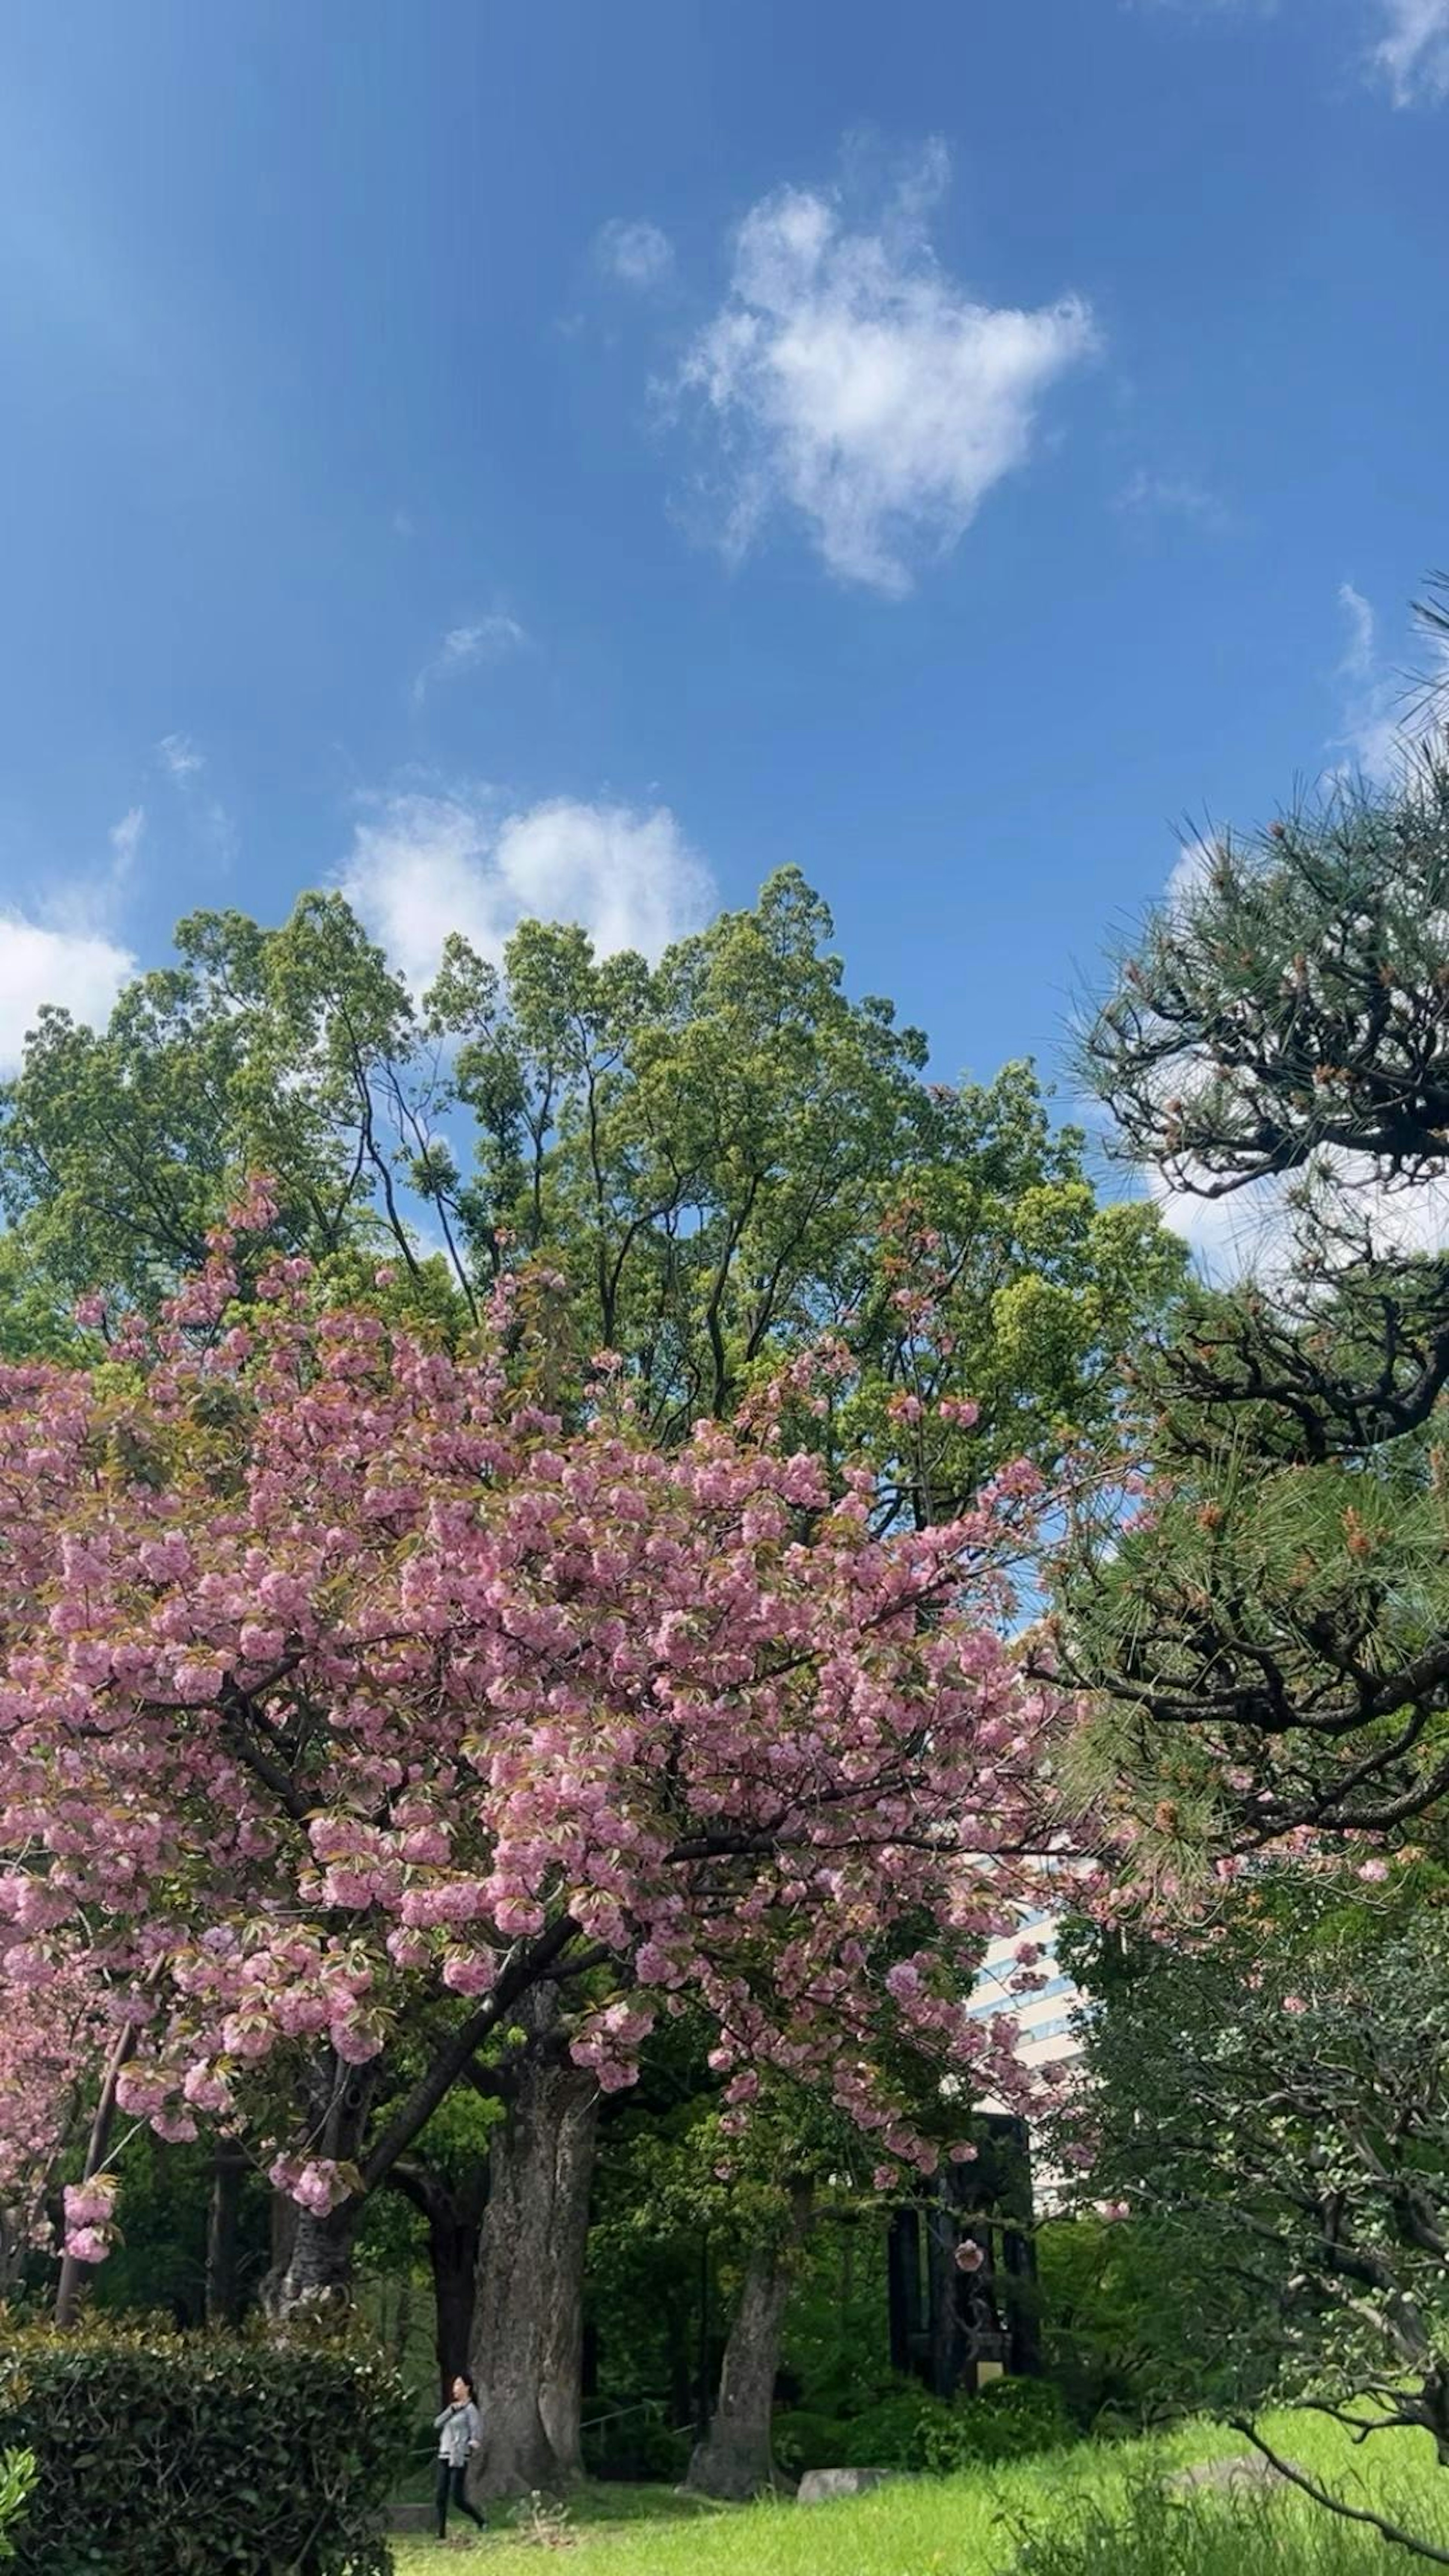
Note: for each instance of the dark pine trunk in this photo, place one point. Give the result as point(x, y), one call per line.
point(528, 2324)
point(735, 2460)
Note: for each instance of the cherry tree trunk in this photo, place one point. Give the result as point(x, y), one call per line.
point(735, 2460)
point(528, 2326)
point(319, 2266)
point(223, 2235)
point(453, 2254)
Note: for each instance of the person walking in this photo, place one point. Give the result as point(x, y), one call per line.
point(459, 2429)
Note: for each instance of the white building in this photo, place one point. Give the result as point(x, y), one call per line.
point(1043, 2018)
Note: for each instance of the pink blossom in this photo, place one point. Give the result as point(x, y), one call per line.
point(527, 1683)
point(87, 2244)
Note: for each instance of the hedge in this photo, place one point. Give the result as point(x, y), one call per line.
point(196, 2454)
point(909, 2429)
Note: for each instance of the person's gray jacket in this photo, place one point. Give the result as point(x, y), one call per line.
point(460, 2427)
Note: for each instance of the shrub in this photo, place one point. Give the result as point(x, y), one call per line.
point(154, 2451)
point(894, 2433)
point(637, 2444)
point(17, 2477)
point(1011, 2419)
point(908, 2428)
point(802, 2440)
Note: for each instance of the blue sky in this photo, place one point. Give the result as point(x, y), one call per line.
point(577, 459)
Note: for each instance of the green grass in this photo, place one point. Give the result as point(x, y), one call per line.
point(973, 2525)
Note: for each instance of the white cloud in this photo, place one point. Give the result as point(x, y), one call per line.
point(67, 951)
point(179, 756)
point(637, 254)
point(463, 648)
point(423, 865)
point(1385, 712)
point(1171, 496)
point(1194, 859)
point(80, 970)
point(847, 378)
point(1412, 54)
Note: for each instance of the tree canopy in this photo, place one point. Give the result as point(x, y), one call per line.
point(1269, 1638)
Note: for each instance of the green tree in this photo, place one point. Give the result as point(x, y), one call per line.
point(1270, 1642)
point(1269, 2098)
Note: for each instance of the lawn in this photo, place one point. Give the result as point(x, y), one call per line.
point(974, 2525)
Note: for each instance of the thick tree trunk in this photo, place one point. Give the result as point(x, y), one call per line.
point(318, 2273)
point(223, 2235)
point(735, 2461)
point(528, 2318)
point(454, 2215)
point(453, 2234)
point(285, 2215)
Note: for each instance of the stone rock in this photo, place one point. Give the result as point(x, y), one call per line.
point(823, 2486)
point(1246, 2473)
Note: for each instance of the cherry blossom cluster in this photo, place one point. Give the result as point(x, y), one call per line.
point(343, 1691)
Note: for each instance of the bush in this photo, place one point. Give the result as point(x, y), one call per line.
point(17, 2477)
point(896, 2432)
point(637, 2444)
point(1011, 2419)
point(804, 2440)
point(153, 2451)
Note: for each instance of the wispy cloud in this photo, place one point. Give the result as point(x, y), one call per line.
point(179, 756)
point(1407, 51)
point(1385, 710)
point(126, 837)
point(1171, 496)
point(849, 381)
point(634, 254)
point(465, 648)
point(209, 821)
point(423, 865)
point(1412, 53)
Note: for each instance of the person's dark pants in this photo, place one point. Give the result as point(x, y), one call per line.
point(450, 2491)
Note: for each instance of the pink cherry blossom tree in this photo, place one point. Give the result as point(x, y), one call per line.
point(51, 2046)
point(355, 1716)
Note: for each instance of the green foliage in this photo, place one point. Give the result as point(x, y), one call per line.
point(637, 2443)
point(17, 2477)
point(1270, 2098)
point(710, 1153)
point(152, 2451)
point(1128, 2337)
point(893, 2433)
point(802, 2439)
point(1269, 1648)
point(1009, 2419)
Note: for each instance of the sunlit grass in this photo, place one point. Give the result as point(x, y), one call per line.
point(974, 2525)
